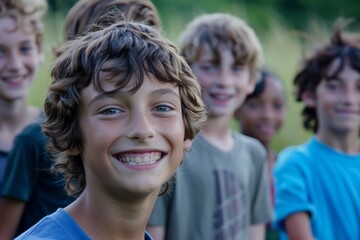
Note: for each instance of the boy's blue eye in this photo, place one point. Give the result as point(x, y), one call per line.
point(163, 108)
point(207, 68)
point(238, 68)
point(25, 49)
point(110, 111)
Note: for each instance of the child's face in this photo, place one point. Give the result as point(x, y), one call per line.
point(133, 143)
point(337, 101)
point(19, 59)
point(262, 116)
point(224, 83)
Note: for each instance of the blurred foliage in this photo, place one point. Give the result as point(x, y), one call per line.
point(294, 12)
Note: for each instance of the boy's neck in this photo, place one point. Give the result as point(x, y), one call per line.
point(346, 143)
point(218, 132)
point(13, 118)
point(118, 220)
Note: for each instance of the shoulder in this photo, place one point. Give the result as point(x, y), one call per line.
point(46, 228)
point(32, 133)
point(250, 144)
point(247, 141)
point(33, 128)
point(58, 225)
point(295, 157)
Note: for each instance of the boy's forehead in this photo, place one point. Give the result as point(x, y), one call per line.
point(206, 51)
point(336, 66)
point(10, 23)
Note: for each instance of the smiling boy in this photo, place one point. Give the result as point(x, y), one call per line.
point(220, 190)
point(21, 44)
point(317, 183)
point(122, 108)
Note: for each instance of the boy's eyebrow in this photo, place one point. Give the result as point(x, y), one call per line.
point(114, 94)
point(104, 95)
point(164, 91)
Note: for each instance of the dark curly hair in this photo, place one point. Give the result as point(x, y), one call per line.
point(127, 49)
point(345, 47)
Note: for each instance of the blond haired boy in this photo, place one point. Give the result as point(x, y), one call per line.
point(220, 190)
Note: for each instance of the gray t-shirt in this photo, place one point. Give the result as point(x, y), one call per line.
point(216, 194)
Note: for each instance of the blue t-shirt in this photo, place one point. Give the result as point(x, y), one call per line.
point(317, 179)
point(60, 226)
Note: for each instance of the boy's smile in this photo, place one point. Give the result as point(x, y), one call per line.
point(140, 135)
point(19, 59)
point(139, 158)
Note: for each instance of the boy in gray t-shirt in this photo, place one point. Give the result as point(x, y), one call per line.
point(220, 191)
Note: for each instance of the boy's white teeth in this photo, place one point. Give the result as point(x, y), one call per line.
point(139, 159)
point(222, 96)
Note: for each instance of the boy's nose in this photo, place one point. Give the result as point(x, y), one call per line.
point(14, 62)
point(225, 79)
point(267, 112)
point(352, 95)
point(140, 128)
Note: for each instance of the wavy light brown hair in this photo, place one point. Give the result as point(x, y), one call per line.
point(27, 15)
point(86, 12)
point(134, 50)
point(221, 29)
point(344, 46)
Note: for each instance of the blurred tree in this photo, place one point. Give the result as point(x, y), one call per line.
point(295, 13)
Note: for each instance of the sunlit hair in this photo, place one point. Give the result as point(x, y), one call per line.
point(343, 46)
point(221, 29)
point(126, 51)
point(27, 16)
point(86, 12)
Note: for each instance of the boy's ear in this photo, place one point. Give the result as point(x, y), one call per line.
point(187, 144)
point(74, 151)
point(251, 86)
point(41, 54)
point(308, 98)
point(41, 58)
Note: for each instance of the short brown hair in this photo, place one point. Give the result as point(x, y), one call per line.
point(134, 50)
point(27, 14)
point(222, 29)
point(344, 46)
point(86, 12)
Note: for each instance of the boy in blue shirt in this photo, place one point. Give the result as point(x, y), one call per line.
point(41, 193)
point(317, 183)
point(122, 108)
